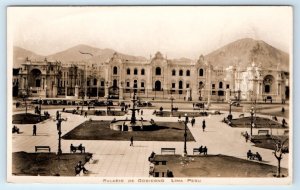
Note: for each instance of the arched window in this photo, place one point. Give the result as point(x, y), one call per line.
point(135, 71)
point(158, 71)
point(115, 83)
point(220, 85)
point(95, 81)
point(180, 72)
point(143, 72)
point(173, 72)
point(201, 85)
point(201, 72)
point(188, 73)
point(128, 71)
point(180, 84)
point(135, 84)
point(115, 70)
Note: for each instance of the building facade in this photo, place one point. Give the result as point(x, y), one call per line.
point(156, 78)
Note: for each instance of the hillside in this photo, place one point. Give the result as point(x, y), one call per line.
point(244, 51)
point(20, 54)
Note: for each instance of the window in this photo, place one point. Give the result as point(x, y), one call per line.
point(135, 72)
point(143, 72)
point(213, 86)
point(213, 92)
point(158, 71)
point(173, 85)
point(115, 70)
point(188, 73)
point(201, 72)
point(128, 71)
point(180, 84)
point(87, 83)
point(128, 84)
point(187, 85)
point(102, 83)
point(220, 85)
point(173, 72)
point(135, 84)
point(267, 88)
point(227, 86)
point(142, 84)
point(95, 81)
point(180, 72)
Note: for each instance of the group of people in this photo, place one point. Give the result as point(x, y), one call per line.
point(15, 129)
point(80, 167)
point(203, 150)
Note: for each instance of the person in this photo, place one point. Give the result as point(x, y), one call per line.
point(80, 148)
point(34, 130)
point(131, 141)
point(205, 150)
point(283, 122)
point(258, 156)
point(57, 115)
point(193, 121)
point(138, 112)
point(249, 154)
point(142, 112)
point(16, 129)
point(246, 136)
point(282, 110)
point(161, 109)
point(203, 125)
point(200, 149)
point(193, 105)
point(85, 114)
point(80, 167)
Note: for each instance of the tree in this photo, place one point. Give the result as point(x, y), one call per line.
point(280, 149)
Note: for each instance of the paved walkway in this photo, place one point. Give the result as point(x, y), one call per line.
point(118, 159)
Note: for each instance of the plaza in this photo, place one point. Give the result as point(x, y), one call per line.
point(114, 157)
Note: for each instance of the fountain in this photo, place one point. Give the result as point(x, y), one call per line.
point(133, 124)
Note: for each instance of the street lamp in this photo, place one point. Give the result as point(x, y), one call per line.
point(172, 99)
point(40, 111)
point(59, 120)
point(252, 121)
point(185, 134)
point(230, 115)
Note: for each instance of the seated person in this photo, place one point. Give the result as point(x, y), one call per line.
point(200, 149)
point(80, 147)
point(258, 156)
point(80, 167)
point(15, 129)
point(249, 154)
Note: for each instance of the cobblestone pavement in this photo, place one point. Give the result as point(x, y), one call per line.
point(118, 159)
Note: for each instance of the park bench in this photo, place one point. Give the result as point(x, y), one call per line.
point(254, 157)
point(168, 150)
point(263, 132)
point(42, 148)
point(75, 148)
point(196, 150)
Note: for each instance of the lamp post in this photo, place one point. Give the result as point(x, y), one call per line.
point(252, 121)
point(185, 134)
point(172, 99)
point(230, 115)
point(59, 120)
point(40, 111)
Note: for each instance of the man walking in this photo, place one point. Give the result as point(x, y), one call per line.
point(203, 125)
point(34, 130)
point(131, 141)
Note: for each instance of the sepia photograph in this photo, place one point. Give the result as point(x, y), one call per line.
point(150, 94)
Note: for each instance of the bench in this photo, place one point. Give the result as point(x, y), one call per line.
point(254, 157)
point(42, 148)
point(195, 150)
point(263, 132)
point(75, 148)
point(168, 150)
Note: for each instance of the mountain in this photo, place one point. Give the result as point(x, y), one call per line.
point(244, 51)
point(88, 53)
point(20, 55)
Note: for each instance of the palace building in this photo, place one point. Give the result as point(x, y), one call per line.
point(158, 78)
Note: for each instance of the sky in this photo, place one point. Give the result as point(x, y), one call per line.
point(175, 31)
